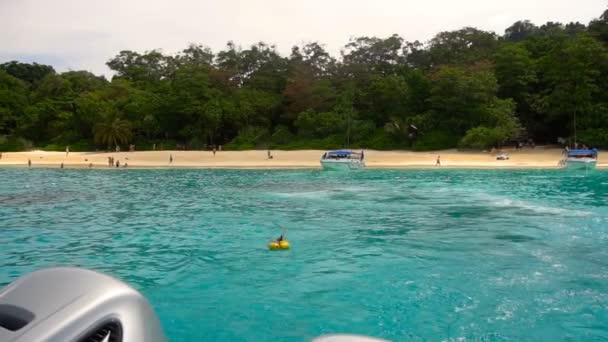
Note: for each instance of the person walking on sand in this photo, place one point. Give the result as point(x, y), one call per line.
point(117, 163)
point(29, 163)
point(61, 166)
point(438, 163)
point(214, 150)
point(170, 158)
point(67, 150)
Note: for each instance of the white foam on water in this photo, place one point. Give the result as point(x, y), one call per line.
point(324, 193)
point(354, 188)
point(465, 307)
point(502, 202)
point(505, 311)
point(542, 256)
point(304, 194)
point(457, 339)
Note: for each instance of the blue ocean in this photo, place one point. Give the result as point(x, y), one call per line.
point(404, 255)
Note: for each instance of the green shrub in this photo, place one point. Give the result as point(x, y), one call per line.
point(328, 143)
point(483, 137)
point(360, 131)
point(13, 144)
point(319, 125)
point(281, 136)
point(148, 145)
point(196, 143)
point(381, 140)
point(54, 148)
point(250, 138)
point(596, 137)
point(435, 140)
point(82, 146)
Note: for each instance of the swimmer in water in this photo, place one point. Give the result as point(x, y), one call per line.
point(282, 237)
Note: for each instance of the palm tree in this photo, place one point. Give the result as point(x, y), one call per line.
point(115, 131)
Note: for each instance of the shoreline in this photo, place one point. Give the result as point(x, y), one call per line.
point(375, 167)
point(538, 158)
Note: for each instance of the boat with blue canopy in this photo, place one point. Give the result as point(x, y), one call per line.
point(580, 159)
point(342, 160)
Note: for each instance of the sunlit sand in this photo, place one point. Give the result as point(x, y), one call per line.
point(526, 158)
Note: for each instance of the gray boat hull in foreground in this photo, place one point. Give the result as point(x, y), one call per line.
point(71, 304)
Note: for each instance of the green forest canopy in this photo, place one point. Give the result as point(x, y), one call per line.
point(466, 88)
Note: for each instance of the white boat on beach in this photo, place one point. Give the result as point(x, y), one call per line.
point(580, 159)
point(342, 161)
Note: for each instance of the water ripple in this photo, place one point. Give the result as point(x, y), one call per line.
point(446, 255)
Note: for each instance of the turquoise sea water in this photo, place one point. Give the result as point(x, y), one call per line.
point(402, 255)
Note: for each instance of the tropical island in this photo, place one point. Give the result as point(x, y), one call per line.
point(467, 89)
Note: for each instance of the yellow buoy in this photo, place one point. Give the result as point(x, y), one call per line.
point(277, 245)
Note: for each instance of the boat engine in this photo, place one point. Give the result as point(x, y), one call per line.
point(71, 304)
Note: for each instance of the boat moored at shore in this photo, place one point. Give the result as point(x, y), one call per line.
point(342, 160)
point(580, 159)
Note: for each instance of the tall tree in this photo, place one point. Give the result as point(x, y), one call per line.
point(599, 27)
point(13, 101)
point(520, 30)
point(516, 76)
point(466, 45)
point(113, 131)
point(572, 75)
point(30, 73)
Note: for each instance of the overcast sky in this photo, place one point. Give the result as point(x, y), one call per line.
point(84, 34)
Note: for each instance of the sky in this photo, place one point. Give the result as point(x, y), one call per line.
point(85, 34)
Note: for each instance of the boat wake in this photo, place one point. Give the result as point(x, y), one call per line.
point(535, 208)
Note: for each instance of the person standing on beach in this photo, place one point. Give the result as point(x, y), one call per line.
point(170, 158)
point(438, 163)
point(29, 163)
point(67, 150)
point(214, 150)
point(117, 163)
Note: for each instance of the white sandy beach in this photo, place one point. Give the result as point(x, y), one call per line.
point(527, 158)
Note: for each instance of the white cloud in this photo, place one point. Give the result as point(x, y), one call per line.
point(84, 34)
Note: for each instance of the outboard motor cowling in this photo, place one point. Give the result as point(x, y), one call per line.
point(71, 304)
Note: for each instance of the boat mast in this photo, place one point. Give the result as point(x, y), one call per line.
point(351, 99)
point(348, 128)
point(574, 129)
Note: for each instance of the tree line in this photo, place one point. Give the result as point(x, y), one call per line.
point(466, 88)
